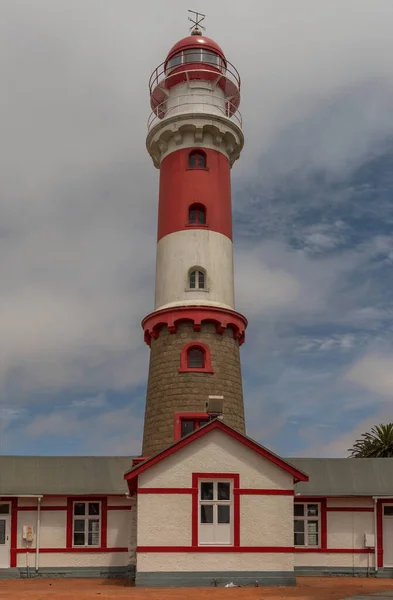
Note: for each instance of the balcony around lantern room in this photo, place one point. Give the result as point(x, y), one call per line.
point(193, 82)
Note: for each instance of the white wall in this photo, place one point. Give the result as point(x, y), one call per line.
point(266, 520)
point(216, 452)
point(73, 559)
point(211, 561)
point(178, 252)
point(330, 559)
point(164, 520)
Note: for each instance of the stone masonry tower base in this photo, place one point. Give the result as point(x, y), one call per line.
point(170, 391)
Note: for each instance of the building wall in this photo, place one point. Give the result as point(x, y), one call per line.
point(169, 391)
point(120, 535)
point(266, 520)
point(165, 518)
point(216, 452)
point(213, 562)
point(345, 530)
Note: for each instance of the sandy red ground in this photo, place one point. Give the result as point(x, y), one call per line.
point(88, 589)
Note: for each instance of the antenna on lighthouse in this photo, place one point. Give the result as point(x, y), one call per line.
point(196, 20)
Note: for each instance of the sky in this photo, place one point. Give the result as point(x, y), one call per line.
point(312, 202)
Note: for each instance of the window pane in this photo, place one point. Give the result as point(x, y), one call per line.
point(201, 216)
point(4, 509)
point(79, 508)
point(192, 279)
point(94, 508)
point(206, 490)
point(206, 513)
point(197, 160)
point(94, 533)
point(223, 514)
point(388, 511)
point(192, 216)
point(2, 532)
point(223, 490)
point(298, 510)
point(195, 358)
point(299, 526)
point(312, 529)
point(186, 427)
point(312, 510)
point(192, 56)
point(201, 280)
point(79, 525)
point(299, 539)
point(79, 539)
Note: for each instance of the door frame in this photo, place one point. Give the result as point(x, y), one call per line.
point(6, 547)
point(13, 527)
point(384, 519)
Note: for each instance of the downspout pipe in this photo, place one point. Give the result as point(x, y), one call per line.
point(37, 542)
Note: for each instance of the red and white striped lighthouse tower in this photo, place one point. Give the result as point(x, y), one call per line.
point(194, 333)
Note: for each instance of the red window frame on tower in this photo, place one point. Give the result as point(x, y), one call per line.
point(197, 418)
point(199, 218)
point(197, 159)
point(184, 359)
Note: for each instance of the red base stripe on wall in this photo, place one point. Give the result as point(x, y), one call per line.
point(262, 492)
point(273, 549)
point(350, 509)
point(90, 550)
point(335, 550)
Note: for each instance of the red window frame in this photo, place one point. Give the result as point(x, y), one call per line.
point(323, 520)
point(103, 521)
point(198, 154)
point(207, 366)
point(199, 418)
point(198, 208)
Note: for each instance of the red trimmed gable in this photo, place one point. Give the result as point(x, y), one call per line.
point(131, 476)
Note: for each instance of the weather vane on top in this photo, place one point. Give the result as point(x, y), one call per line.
point(196, 20)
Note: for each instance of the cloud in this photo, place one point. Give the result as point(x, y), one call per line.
point(373, 372)
point(79, 205)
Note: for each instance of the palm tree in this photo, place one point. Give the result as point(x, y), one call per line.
point(377, 443)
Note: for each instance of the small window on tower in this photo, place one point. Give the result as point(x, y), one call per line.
point(197, 214)
point(197, 279)
point(197, 160)
point(195, 357)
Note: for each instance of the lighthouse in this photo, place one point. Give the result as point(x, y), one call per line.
point(194, 333)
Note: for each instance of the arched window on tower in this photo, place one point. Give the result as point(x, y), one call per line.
point(197, 160)
point(195, 357)
point(197, 214)
point(197, 279)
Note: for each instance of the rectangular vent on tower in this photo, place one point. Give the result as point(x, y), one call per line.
point(214, 406)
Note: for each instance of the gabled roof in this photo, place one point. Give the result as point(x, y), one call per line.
point(133, 473)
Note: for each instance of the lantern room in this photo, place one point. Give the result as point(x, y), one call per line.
point(195, 77)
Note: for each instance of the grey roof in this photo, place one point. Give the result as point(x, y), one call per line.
point(105, 475)
point(345, 476)
point(63, 474)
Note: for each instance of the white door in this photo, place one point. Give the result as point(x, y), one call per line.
point(5, 522)
point(388, 535)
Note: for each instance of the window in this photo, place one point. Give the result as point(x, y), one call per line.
point(215, 512)
point(307, 524)
point(197, 160)
point(186, 423)
point(388, 511)
point(211, 59)
point(197, 214)
point(197, 279)
point(195, 357)
point(86, 524)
